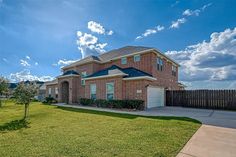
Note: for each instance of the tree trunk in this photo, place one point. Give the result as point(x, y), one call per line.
point(26, 111)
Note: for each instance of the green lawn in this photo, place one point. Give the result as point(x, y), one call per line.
point(55, 131)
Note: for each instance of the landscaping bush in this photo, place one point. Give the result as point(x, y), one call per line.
point(126, 104)
point(86, 102)
point(50, 100)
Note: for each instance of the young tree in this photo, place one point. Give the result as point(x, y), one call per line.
point(3, 87)
point(24, 94)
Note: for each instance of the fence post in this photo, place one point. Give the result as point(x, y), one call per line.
point(207, 99)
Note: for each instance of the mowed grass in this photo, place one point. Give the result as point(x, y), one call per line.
point(55, 131)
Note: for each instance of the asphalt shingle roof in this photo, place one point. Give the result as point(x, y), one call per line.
point(121, 52)
point(131, 72)
point(111, 54)
point(70, 72)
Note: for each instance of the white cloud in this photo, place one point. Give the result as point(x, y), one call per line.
point(26, 75)
point(196, 12)
point(27, 57)
point(110, 32)
point(87, 39)
point(24, 63)
point(174, 4)
point(64, 62)
point(205, 6)
point(151, 31)
point(5, 60)
point(98, 28)
point(89, 45)
point(213, 60)
point(79, 34)
point(189, 12)
point(176, 24)
point(36, 63)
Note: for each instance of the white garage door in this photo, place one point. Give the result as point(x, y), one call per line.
point(155, 97)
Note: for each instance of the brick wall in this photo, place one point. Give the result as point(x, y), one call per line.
point(101, 87)
point(129, 89)
point(53, 93)
point(143, 64)
point(165, 77)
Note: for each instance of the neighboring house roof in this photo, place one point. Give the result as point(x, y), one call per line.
point(117, 53)
point(13, 85)
point(55, 81)
point(181, 85)
point(117, 71)
point(37, 83)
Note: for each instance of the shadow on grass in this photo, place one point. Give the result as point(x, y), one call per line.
point(128, 116)
point(14, 125)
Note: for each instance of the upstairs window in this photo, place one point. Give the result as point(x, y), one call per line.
point(93, 91)
point(174, 70)
point(124, 60)
point(137, 58)
point(159, 64)
point(110, 91)
point(83, 74)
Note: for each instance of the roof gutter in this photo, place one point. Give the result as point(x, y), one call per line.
point(63, 76)
point(105, 76)
point(141, 77)
point(76, 64)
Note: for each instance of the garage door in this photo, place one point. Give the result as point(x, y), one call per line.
point(155, 97)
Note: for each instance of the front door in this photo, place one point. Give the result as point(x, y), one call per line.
point(65, 92)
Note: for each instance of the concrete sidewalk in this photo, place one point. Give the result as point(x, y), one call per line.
point(211, 141)
point(215, 138)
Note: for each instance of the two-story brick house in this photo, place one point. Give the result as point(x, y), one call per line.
point(131, 72)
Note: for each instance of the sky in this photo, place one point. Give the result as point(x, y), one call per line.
point(38, 37)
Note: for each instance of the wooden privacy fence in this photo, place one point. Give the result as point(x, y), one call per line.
point(211, 99)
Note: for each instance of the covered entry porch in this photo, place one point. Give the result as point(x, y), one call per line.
point(68, 88)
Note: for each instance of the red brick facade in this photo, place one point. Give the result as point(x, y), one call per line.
point(124, 89)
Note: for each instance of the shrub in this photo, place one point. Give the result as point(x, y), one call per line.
point(86, 102)
point(127, 104)
point(50, 100)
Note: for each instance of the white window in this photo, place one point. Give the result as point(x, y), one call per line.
point(93, 91)
point(159, 64)
point(82, 82)
point(124, 60)
point(110, 91)
point(174, 70)
point(83, 74)
point(49, 92)
point(137, 58)
point(56, 90)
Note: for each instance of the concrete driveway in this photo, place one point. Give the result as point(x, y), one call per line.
point(226, 119)
point(215, 138)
